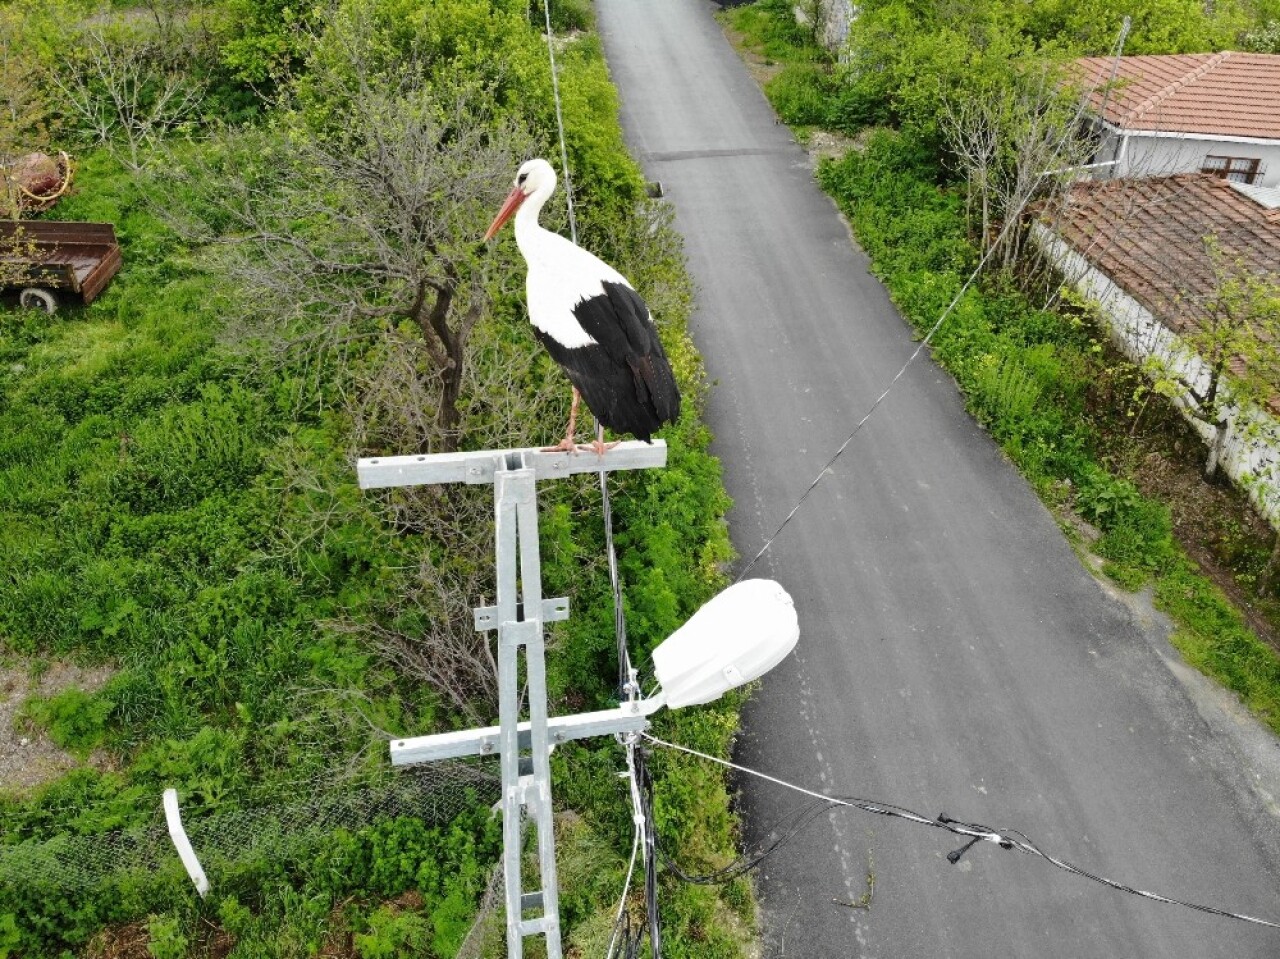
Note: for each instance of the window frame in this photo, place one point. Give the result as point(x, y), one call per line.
point(1235, 169)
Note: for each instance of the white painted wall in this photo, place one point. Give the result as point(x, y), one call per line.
point(1148, 155)
point(1251, 456)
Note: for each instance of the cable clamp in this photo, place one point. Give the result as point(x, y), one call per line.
point(977, 834)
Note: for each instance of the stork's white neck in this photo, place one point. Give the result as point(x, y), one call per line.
point(528, 229)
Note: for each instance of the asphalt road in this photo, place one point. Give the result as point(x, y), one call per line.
point(954, 656)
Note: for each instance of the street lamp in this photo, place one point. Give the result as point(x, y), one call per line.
point(741, 634)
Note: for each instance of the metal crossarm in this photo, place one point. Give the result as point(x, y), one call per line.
point(480, 466)
point(524, 746)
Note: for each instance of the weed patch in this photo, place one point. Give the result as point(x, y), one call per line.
point(188, 513)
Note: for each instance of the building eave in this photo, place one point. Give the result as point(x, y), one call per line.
point(1187, 135)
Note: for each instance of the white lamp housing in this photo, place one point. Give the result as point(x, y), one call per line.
point(739, 635)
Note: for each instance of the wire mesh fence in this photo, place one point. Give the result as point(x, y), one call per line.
point(224, 841)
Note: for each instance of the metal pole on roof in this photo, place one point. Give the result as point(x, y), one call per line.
point(1117, 156)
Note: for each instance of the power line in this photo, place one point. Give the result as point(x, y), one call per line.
point(1010, 220)
point(794, 822)
point(619, 924)
point(628, 684)
point(880, 399)
point(972, 832)
point(619, 620)
point(564, 150)
point(644, 783)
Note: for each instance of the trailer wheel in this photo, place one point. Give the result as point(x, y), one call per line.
point(35, 297)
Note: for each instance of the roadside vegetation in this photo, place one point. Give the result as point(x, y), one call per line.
point(916, 88)
point(300, 195)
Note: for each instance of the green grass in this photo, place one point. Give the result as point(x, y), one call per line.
point(190, 516)
point(1212, 636)
point(769, 28)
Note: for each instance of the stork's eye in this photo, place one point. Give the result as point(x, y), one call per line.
point(521, 178)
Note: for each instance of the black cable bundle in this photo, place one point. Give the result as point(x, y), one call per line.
point(644, 780)
point(629, 937)
point(792, 823)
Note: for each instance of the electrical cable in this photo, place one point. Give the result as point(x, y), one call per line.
point(1010, 220)
point(644, 784)
point(620, 925)
point(972, 832)
point(625, 679)
point(794, 821)
point(619, 620)
point(564, 150)
point(640, 787)
point(628, 686)
point(928, 337)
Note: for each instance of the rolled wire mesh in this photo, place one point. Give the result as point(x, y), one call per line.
point(225, 840)
point(484, 927)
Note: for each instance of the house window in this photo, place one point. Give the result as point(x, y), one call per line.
point(1237, 169)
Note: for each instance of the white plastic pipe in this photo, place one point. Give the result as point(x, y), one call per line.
point(180, 842)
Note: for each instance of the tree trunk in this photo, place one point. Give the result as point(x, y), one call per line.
point(1216, 448)
point(437, 322)
point(450, 390)
point(445, 348)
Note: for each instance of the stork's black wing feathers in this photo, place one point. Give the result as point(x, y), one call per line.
point(625, 378)
point(655, 383)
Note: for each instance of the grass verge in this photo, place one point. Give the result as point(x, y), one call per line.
point(191, 517)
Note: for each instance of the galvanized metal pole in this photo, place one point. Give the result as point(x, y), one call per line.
point(518, 617)
point(526, 779)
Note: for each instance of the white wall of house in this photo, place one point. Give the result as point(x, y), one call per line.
point(1251, 455)
point(1162, 154)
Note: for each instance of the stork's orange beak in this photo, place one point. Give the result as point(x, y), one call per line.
point(509, 206)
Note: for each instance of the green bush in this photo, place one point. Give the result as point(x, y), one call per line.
point(75, 720)
point(799, 94)
point(393, 934)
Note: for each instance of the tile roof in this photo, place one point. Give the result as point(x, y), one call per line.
point(1227, 94)
point(1147, 235)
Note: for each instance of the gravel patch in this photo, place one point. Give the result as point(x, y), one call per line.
point(28, 758)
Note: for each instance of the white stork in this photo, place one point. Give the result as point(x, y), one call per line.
point(591, 321)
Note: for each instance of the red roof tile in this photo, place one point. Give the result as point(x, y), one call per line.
point(1228, 94)
point(1147, 235)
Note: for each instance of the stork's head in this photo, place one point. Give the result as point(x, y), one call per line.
point(533, 177)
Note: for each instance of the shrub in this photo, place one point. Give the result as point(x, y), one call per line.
point(799, 94)
point(76, 720)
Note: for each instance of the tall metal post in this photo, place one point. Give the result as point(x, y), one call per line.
point(526, 778)
point(524, 746)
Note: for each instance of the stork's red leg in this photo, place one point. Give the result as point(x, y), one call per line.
point(567, 445)
point(598, 445)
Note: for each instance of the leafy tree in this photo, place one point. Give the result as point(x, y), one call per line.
point(1016, 143)
point(1158, 26)
point(904, 64)
point(1264, 38)
point(126, 89)
point(264, 41)
point(364, 235)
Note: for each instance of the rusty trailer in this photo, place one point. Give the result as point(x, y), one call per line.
point(43, 259)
